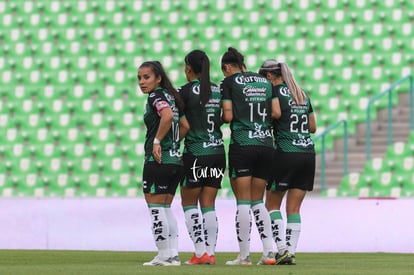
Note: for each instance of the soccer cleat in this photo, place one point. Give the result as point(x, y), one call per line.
point(283, 259)
point(268, 259)
point(212, 259)
point(158, 262)
point(175, 261)
point(239, 261)
point(293, 260)
point(204, 259)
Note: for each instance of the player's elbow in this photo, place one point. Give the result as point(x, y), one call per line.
point(276, 114)
point(226, 117)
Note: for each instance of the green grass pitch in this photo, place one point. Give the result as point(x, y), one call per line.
point(113, 262)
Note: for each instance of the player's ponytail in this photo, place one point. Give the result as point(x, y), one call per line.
point(234, 58)
point(281, 69)
point(296, 91)
point(200, 64)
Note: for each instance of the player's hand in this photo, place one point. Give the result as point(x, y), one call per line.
point(156, 152)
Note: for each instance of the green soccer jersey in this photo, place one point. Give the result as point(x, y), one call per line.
point(158, 100)
point(204, 136)
point(251, 97)
point(291, 130)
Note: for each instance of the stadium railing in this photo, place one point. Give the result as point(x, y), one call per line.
point(374, 99)
point(322, 137)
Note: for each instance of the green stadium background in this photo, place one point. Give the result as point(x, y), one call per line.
point(71, 114)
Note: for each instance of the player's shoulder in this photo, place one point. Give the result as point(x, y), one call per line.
point(159, 94)
point(186, 87)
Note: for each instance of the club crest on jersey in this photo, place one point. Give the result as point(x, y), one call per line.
point(284, 91)
point(196, 90)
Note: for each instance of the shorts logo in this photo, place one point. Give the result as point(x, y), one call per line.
point(243, 170)
point(284, 184)
point(200, 172)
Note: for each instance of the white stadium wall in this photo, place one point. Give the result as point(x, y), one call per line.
point(328, 225)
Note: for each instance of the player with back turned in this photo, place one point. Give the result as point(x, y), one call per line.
point(294, 158)
point(247, 107)
point(204, 156)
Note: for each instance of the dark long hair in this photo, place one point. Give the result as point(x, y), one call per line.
point(200, 64)
point(234, 58)
point(165, 83)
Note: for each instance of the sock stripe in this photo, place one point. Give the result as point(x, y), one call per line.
point(152, 205)
point(275, 215)
point(256, 202)
point(245, 202)
point(189, 207)
point(293, 218)
point(207, 209)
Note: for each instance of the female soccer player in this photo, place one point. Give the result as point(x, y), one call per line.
point(247, 106)
point(204, 156)
point(294, 158)
point(163, 168)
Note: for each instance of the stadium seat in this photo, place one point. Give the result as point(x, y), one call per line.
point(407, 183)
point(12, 135)
point(109, 150)
point(7, 184)
point(131, 135)
point(86, 108)
point(87, 174)
point(46, 151)
point(29, 185)
point(68, 68)
point(385, 184)
point(91, 185)
point(14, 151)
point(375, 165)
point(120, 172)
point(405, 164)
point(54, 165)
point(68, 136)
point(75, 151)
point(353, 185)
point(125, 186)
point(60, 185)
point(21, 165)
point(60, 121)
point(99, 136)
point(358, 108)
point(411, 141)
point(396, 152)
point(55, 105)
point(29, 122)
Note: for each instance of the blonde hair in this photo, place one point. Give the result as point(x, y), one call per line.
point(296, 91)
point(282, 69)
